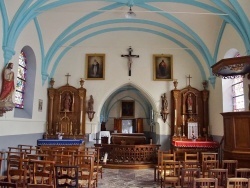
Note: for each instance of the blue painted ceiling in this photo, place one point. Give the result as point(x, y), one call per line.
point(165, 18)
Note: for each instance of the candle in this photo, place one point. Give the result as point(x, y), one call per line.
point(183, 120)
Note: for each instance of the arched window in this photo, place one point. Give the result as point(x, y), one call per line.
point(25, 86)
point(233, 89)
point(238, 94)
point(21, 80)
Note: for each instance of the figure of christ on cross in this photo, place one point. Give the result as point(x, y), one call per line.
point(130, 56)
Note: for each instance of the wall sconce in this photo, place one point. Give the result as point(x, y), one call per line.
point(90, 110)
point(90, 115)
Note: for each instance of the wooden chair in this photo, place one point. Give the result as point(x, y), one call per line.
point(66, 176)
point(231, 165)
point(238, 182)
point(86, 175)
point(191, 156)
point(208, 156)
point(165, 157)
point(242, 172)
point(7, 185)
point(41, 172)
point(188, 175)
point(17, 168)
point(221, 174)
point(207, 165)
point(158, 165)
point(25, 148)
point(2, 158)
point(190, 164)
point(96, 152)
point(39, 186)
point(170, 174)
point(205, 182)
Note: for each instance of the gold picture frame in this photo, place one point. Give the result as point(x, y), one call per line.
point(163, 67)
point(127, 108)
point(95, 67)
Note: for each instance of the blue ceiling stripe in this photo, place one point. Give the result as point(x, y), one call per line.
point(121, 29)
point(219, 41)
point(16, 21)
point(54, 46)
point(242, 17)
point(181, 34)
point(207, 56)
point(234, 21)
point(5, 21)
point(44, 75)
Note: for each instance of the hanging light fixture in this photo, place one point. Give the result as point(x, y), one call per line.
point(130, 14)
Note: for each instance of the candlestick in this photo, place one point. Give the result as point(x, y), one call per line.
point(183, 120)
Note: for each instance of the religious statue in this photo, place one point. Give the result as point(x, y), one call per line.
point(189, 102)
point(7, 84)
point(8, 88)
point(164, 101)
point(67, 102)
point(130, 56)
point(90, 103)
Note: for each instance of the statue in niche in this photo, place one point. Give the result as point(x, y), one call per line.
point(164, 102)
point(90, 103)
point(67, 102)
point(190, 103)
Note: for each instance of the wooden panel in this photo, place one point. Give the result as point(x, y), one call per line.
point(242, 139)
point(237, 139)
point(139, 125)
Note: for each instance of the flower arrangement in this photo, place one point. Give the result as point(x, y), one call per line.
point(60, 135)
point(193, 136)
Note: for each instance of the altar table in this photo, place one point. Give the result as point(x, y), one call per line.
point(195, 144)
point(180, 147)
point(57, 142)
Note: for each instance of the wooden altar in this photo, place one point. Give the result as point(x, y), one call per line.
point(189, 117)
point(66, 111)
point(189, 120)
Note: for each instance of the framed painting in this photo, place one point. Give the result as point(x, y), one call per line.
point(95, 67)
point(163, 67)
point(128, 108)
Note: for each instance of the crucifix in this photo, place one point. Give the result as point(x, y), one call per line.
point(67, 75)
point(130, 56)
point(189, 79)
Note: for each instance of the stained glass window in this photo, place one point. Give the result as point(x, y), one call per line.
point(21, 80)
point(238, 94)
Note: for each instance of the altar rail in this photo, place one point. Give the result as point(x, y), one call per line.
point(130, 154)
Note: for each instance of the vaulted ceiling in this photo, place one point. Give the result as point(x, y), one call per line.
point(68, 23)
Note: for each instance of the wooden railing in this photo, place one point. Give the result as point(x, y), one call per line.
point(130, 154)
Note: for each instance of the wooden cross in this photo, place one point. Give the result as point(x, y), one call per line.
point(189, 79)
point(130, 56)
point(67, 75)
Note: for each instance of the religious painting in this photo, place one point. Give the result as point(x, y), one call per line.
point(163, 67)
point(40, 105)
point(128, 108)
point(95, 67)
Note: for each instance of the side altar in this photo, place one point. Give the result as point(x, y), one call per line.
point(190, 119)
point(66, 111)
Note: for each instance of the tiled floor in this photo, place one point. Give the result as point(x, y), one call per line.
point(128, 178)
